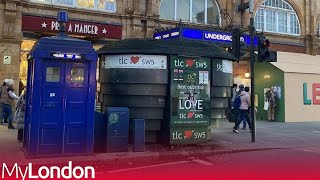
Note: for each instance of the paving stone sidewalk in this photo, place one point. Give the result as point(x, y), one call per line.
point(269, 135)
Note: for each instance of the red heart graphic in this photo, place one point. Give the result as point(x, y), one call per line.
point(188, 134)
point(135, 59)
point(190, 114)
point(189, 62)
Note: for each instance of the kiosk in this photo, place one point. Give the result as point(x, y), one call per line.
point(60, 96)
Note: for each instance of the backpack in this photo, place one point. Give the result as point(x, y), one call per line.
point(237, 102)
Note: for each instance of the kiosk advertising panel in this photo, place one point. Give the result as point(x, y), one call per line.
point(190, 98)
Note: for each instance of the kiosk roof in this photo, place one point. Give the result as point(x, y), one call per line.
point(177, 46)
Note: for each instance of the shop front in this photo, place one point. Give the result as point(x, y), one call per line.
point(34, 27)
point(295, 81)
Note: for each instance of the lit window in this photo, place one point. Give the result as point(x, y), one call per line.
point(77, 75)
point(53, 74)
point(86, 3)
point(196, 11)
point(104, 5)
point(277, 16)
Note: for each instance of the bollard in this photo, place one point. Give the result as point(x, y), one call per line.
point(138, 135)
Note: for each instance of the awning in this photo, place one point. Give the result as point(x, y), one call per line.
point(298, 63)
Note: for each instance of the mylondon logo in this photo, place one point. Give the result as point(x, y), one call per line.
point(44, 172)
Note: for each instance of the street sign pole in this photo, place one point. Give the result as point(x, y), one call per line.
point(252, 57)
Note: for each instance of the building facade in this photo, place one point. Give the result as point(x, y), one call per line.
point(291, 25)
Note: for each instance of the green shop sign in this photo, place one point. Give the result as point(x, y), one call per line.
point(190, 91)
point(188, 135)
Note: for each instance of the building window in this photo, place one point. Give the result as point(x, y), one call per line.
point(318, 30)
point(196, 11)
point(103, 5)
point(277, 16)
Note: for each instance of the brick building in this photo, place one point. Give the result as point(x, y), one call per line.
point(291, 25)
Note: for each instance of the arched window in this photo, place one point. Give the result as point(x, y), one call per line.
point(277, 16)
point(196, 11)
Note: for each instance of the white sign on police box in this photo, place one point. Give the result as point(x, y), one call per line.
point(135, 61)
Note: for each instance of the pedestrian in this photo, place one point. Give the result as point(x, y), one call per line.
point(233, 93)
point(272, 99)
point(20, 115)
point(7, 100)
point(21, 87)
point(244, 109)
point(231, 114)
point(244, 122)
point(3, 86)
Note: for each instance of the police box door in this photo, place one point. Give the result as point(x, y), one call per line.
point(76, 96)
point(63, 107)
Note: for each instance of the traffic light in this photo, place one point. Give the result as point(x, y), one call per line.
point(243, 48)
point(236, 42)
point(238, 46)
point(264, 55)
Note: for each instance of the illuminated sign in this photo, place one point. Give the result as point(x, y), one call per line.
point(172, 33)
point(215, 36)
point(67, 56)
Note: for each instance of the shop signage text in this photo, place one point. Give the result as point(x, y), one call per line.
point(82, 28)
point(188, 135)
point(66, 56)
point(135, 61)
point(189, 63)
point(315, 94)
point(216, 36)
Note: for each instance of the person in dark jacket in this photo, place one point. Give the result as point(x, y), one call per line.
point(20, 114)
point(3, 117)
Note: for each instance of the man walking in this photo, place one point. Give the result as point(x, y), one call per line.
point(244, 109)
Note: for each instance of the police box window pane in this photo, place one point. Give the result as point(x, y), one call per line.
point(183, 10)
point(108, 5)
point(53, 74)
point(86, 3)
point(64, 2)
point(212, 12)
point(77, 75)
point(198, 11)
point(167, 9)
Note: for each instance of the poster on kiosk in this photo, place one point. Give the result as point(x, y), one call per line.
point(189, 99)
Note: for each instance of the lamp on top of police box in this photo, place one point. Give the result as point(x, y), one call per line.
point(62, 19)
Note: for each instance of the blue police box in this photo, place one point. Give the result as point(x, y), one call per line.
point(61, 87)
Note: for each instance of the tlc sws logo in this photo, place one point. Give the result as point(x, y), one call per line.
point(189, 63)
point(66, 172)
point(188, 134)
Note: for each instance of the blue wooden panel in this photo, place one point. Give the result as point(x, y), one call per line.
point(76, 109)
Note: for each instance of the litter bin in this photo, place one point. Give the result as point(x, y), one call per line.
point(117, 129)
